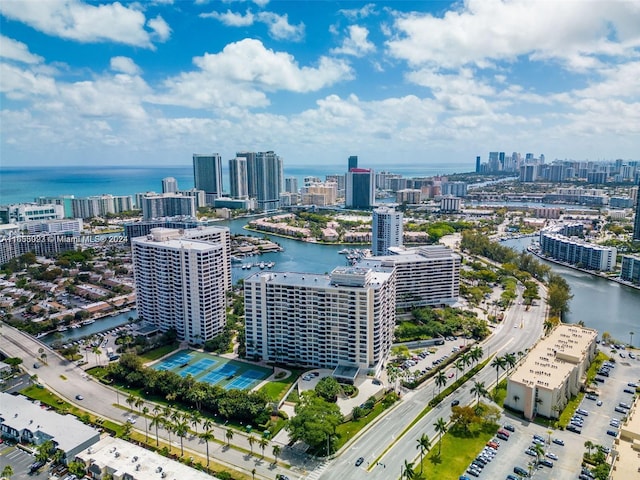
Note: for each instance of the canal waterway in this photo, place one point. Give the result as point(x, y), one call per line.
point(601, 304)
point(100, 325)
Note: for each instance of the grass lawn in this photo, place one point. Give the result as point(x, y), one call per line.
point(456, 455)
point(277, 388)
point(159, 352)
point(347, 430)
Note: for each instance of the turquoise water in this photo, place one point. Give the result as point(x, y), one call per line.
point(24, 184)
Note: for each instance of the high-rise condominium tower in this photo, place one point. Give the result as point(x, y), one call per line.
point(360, 188)
point(207, 173)
point(238, 178)
point(181, 280)
point(169, 185)
point(352, 162)
point(386, 230)
point(345, 318)
point(636, 223)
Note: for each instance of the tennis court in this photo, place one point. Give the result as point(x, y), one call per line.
point(215, 370)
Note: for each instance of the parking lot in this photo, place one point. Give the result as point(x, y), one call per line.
point(600, 410)
point(20, 461)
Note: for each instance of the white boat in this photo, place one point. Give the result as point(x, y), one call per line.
point(262, 265)
point(62, 328)
point(89, 321)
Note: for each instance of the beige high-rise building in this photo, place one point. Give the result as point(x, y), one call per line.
point(181, 280)
point(345, 318)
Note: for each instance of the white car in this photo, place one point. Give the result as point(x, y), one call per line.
point(552, 456)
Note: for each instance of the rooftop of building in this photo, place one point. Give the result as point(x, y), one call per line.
point(174, 239)
point(553, 358)
point(21, 413)
point(627, 464)
point(340, 276)
point(141, 464)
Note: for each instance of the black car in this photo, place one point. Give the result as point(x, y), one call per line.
point(613, 433)
point(599, 379)
point(455, 403)
point(628, 390)
point(36, 465)
point(574, 429)
point(359, 461)
point(546, 463)
point(509, 427)
point(281, 477)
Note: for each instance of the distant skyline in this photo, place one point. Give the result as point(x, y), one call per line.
point(396, 82)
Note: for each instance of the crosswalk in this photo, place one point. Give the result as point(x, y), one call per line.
point(317, 472)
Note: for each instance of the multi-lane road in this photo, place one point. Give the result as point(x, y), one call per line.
point(383, 441)
point(518, 332)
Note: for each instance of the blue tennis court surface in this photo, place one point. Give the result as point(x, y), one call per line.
point(245, 380)
point(174, 362)
point(219, 374)
point(198, 367)
point(215, 370)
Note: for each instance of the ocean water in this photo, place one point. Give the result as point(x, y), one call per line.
point(23, 184)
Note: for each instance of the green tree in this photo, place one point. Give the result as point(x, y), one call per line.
point(264, 441)
point(207, 436)
point(441, 380)
point(478, 390)
point(424, 444)
point(499, 363)
point(145, 411)
point(229, 436)
point(276, 453)
point(441, 429)
point(7, 471)
point(157, 419)
point(408, 471)
point(328, 388)
point(181, 429)
point(251, 441)
point(315, 421)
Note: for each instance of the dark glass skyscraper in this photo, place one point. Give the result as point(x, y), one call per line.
point(207, 173)
point(353, 162)
point(360, 188)
point(636, 223)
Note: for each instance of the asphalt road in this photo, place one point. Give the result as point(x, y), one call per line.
point(519, 331)
point(68, 380)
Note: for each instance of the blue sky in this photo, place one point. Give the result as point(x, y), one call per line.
point(152, 82)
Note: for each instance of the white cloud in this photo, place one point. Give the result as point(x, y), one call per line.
point(124, 65)
point(232, 19)
point(19, 84)
point(82, 22)
point(278, 25)
point(358, 13)
point(160, 27)
point(356, 43)
point(14, 50)
point(242, 72)
point(484, 31)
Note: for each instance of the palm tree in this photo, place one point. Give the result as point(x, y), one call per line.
point(207, 424)
point(539, 449)
point(168, 426)
point(589, 446)
point(229, 436)
point(145, 411)
point(424, 444)
point(181, 429)
point(196, 418)
point(156, 420)
point(510, 359)
point(466, 358)
point(263, 444)
point(139, 403)
point(441, 380)
point(441, 429)
point(498, 363)
point(207, 436)
point(97, 352)
point(131, 399)
point(459, 367)
point(477, 353)
point(251, 441)
point(478, 390)
point(276, 452)
point(409, 473)
point(253, 474)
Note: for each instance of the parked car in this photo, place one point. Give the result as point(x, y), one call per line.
point(520, 471)
point(509, 427)
point(546, 463)
point(613, 433)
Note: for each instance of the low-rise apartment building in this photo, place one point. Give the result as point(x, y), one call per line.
point(552, 372)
